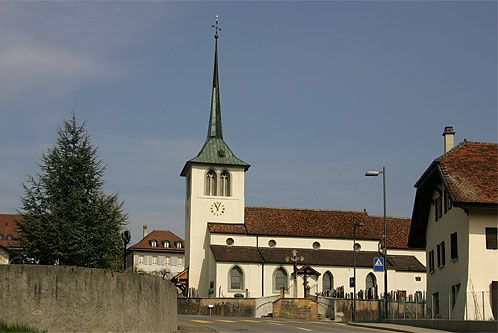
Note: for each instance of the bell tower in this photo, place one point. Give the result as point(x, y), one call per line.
point(214, 193)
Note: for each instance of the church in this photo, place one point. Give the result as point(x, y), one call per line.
point(238, 251)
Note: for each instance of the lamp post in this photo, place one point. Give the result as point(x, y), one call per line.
point(356, 247)
point(374, 173)
point(126, 237)
point(294, 259)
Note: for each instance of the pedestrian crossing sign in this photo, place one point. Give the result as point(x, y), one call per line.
point(378, 264)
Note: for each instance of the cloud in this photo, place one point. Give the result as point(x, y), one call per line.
point(31, 65)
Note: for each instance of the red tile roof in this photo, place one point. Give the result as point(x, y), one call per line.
point(8, 227)
point(313, 257)
point(471, 172)
point(294, 222)
point(160, 236)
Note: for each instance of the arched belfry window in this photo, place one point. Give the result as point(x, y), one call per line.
point(328, 283)
point(280, 279)
point(236, 278)
point(225, 189)
point(210, 183)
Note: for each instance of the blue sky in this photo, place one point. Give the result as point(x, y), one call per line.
point(313, 94)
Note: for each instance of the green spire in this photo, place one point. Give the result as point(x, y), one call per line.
point(215, 129)
point(215, 150)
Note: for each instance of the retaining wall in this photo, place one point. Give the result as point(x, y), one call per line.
point(70, 299)
point(232, 307)
point(295, 308)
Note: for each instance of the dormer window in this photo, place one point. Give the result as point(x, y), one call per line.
point(211, 183)
point(179, 245)
point(153, 243)
point(10, 237)
point(1, 236)
point(225, 184)
point(165, 243)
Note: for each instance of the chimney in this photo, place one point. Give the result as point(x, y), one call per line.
point(449, 138)
point(145, 230)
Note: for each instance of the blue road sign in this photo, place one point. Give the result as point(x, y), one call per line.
point(378, 264)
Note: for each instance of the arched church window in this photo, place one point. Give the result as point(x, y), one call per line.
point(328, 283)
point(210, 183)
point(236, 278)
point(371, 286)
point(280, 279)
point(225, 184)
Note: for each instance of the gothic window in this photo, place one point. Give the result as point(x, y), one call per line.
point(210, 188)
point(371, 286)
point(236, 278)
point(225, 184)
point(280, 279)
point(328, 283)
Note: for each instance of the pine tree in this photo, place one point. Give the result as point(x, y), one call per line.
point(67, 218)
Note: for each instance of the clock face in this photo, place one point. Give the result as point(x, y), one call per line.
point(217, 208)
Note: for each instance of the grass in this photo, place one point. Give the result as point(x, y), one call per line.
point(4, 327)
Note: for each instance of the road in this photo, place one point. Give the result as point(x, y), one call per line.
point(267, 325)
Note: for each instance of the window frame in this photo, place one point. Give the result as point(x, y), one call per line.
point(236, 268)
point(491, 238)
point(286, 281)
point(454, 246)
point(211, 183)
point(225, 184)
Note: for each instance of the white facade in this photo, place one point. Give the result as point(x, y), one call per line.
point(460, 289)
point(169, 264)
point(201, 208)
point(259, 279)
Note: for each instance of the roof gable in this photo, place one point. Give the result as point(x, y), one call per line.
point(159, 236)
point(469, 171)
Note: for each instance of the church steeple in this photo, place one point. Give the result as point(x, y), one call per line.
point(215, 151)
point(215, 129)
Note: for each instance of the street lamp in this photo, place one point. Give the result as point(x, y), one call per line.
point(374, 173)
point(356, 247)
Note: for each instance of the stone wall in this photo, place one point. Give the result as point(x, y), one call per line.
point(295, 308)
point(368, 310)
point(232, 307)
point(70, 299)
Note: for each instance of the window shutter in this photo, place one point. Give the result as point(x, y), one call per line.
point(491, 239)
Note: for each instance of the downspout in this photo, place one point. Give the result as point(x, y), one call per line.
point(262, 268)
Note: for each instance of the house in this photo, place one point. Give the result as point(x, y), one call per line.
point(8, 237)
point(233, 250)
point(455, 219)
point(160, 252)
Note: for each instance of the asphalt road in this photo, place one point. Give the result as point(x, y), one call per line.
point(267, 325)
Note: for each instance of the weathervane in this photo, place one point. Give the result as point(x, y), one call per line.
point(216, 28)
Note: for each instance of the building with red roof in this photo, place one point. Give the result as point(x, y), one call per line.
point(455, 219)
point(8, 236)
point(160, 252)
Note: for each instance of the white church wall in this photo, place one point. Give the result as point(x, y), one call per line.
point(239, 240)
point(325, 243)
point(251, 278)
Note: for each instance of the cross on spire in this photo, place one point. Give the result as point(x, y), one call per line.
point(216, 28)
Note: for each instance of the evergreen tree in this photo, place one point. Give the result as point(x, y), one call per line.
point(67, 219)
